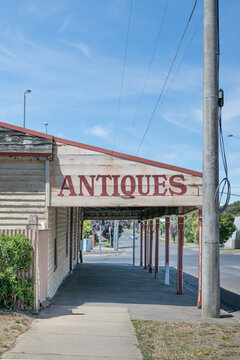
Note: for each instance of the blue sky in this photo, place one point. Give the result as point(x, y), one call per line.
point(70, 53)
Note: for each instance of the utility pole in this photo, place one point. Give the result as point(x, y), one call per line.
point(210, 260)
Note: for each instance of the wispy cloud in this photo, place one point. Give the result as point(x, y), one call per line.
point(182, 124)
point(197, 114)
point(66, 23)
point(84, 48)
point(99, 131)
point(231, 109)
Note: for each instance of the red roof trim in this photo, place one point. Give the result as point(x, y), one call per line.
point(17, 153)
point(101, 150)
point(26, 131)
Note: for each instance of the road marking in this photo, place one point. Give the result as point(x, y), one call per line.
point(234, 266)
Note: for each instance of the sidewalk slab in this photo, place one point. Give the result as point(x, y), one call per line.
point(105, 333)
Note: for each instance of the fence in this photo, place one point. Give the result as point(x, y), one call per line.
point(32, 234)
point(32, 237)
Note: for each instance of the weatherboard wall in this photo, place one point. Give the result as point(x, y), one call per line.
point(22, 191)
point(59, 229)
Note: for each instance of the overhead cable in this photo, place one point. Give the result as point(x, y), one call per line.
point(167, 77)
point(150, 65)
point(224, 184)
point(123, 73)
point(183, 57)
point(224, 187)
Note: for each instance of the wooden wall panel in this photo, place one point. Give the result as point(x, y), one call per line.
point(22, 192)
point(15, 141)
point(56, 276)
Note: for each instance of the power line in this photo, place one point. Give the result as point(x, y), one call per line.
point(123, 73)
point(167, 77)
point(184, 55)
point(150, 65)
point(238, 195)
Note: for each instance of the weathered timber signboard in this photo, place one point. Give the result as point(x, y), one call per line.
point(82, 177)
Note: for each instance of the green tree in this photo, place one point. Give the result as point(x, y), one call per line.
point(233, 208)
point(226, 227)
point(191, 227)
point(161, 225)
point(87, 229)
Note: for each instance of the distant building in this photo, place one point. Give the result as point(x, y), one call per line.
point(234, 241)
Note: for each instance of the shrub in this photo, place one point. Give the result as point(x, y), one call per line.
point(87, 229)
point(226, 227)
point(15, 256)
point(191, 227)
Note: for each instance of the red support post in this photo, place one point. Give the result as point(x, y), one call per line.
point(145, 244)
point(167, 224)
point(71, 240)
point(151, 240)
point(81, 236)
point(199, 300)
point(141, 244)
point(180, 254)
point(157, 248)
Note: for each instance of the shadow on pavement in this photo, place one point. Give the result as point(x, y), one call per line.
point(117, 285)
point(109, 283)
point(230, 301)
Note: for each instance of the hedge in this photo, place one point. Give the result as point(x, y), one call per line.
point(16, 291)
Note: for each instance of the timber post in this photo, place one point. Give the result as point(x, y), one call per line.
point(157, 248)
point(141, 244)
point(180, 255)
point(167, 223)
point(151, 243)
point(145, 244)
point(199, 300)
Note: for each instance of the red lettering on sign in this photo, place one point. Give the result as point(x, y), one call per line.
point(157, 184)
point(67, 185)
point(115, 185)
point(90, 188)
point(132, 185)
point(140, 184)
point(104, 183)
point(176, 184)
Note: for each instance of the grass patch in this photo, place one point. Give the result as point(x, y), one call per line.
point(12, 324)
point(180, 340)
point(106, 243)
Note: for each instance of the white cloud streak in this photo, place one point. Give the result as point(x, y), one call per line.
point(99, 131)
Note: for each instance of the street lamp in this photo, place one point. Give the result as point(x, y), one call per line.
point(46, 125)
point(24, 105)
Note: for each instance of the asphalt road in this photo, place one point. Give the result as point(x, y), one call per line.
point(229, 267)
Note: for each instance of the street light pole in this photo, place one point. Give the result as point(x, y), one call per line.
point(24, 105)
point(46, 125)
point(210, 230)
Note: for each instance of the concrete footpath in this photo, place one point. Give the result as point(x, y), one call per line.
point(81, 333)
point(89, 317)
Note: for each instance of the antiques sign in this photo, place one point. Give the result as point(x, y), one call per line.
point(127, 185)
